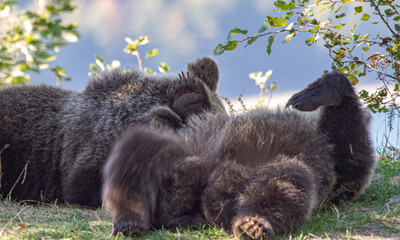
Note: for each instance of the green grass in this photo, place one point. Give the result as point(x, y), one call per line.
point(373, 213)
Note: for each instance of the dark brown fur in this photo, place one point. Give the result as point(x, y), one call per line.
point(256, 174)
point(59, 140)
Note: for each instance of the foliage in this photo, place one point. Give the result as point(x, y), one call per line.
point(30, 39)
point(99, 67)
point(352, 52)
point(261, 80)
point(133, 49)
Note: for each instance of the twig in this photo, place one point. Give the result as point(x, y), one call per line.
point(241, 101)
point(1, 169)
point(140, 61)
point(229, 103)
point(19, 177)
point(376, 6)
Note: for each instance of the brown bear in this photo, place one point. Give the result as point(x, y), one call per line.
point(256, 174)
point(59, 140)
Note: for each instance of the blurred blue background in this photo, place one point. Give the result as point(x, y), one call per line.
point(183, 30)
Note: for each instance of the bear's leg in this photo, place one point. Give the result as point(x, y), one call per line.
point(149, 180)
point(345, 123)
point(183, 186)
point(82, 185)
point(130, 213)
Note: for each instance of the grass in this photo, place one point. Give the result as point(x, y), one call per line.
point(374, 215)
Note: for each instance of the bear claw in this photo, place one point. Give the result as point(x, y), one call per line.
point(253, 228)
point(187, 95)
point(127, 228)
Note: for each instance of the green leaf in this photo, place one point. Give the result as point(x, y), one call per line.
point(219, 49)
point(365, 17)
point(366, 49)
point(251, 41)
point(92, 74)
point(396, 18)
point(288, 37)
point(100, 62)
point(152, 53)
point(338, 27)
point(397, 87)
point(163, 67)
point(235, 31)
point(397, 27)
point(231, 45)
point(358, 10)
point(272, 87)
point(268, 74)
point(340, 15)
point(283, 6)
point(288, 15)
point(310, 41)
point(142, 40)
point(148, 70)
point(389, 12)
point(270, 41)
point(94, 67)
point(279, 4)
point(276, 21)
point(353, 79)
point(265, 26)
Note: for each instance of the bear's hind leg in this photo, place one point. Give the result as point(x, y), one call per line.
point(345, 123)
point(150, 180)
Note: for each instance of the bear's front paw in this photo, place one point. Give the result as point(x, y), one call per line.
point(187, 95)
point(306, 100)
point(328, 90)
point(253, 228)
point(128, 228)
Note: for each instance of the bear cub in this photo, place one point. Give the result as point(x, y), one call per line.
point(59, 140)
point(256, 174)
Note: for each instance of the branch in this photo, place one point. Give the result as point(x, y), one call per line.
point(376, 6)
point(391, 95)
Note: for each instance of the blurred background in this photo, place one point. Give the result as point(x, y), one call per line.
point(183, 30)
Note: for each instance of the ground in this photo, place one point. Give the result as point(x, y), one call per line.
point(374, 216)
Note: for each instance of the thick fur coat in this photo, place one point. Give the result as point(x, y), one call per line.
point(256, 174)
point(59, 140)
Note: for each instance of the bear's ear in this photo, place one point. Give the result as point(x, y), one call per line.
point(205, 69)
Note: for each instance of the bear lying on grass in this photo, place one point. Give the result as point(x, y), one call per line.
point(59, 140)
point(257, 174)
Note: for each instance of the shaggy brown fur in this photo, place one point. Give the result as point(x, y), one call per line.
point(59, 140)
point(256, 174)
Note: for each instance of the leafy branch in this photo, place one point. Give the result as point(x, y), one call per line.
point(30, 40)
point(133, 49)
point(99, 67)
point(349, 50)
